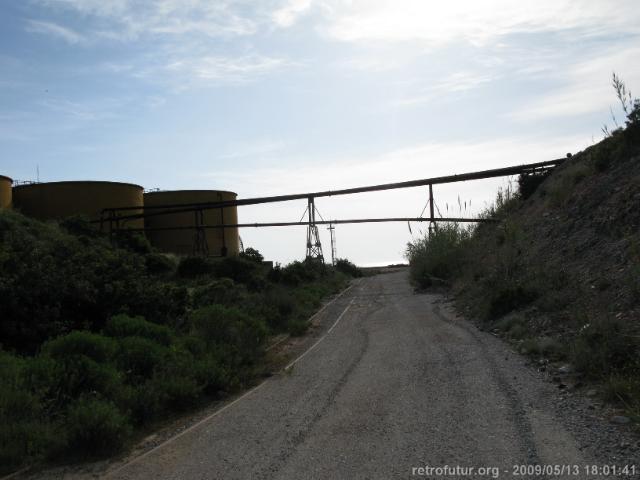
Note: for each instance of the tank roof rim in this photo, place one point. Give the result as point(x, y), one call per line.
point(190, 191)
point(80, 182)
point(4, 177)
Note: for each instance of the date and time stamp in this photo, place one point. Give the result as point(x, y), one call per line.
point(528, 471)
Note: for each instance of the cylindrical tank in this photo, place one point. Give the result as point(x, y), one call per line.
point(218, 240)
point(5, 192)
point(54, 200)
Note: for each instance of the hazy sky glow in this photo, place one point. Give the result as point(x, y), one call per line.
point(286, 96)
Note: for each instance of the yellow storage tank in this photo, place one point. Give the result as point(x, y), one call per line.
point(5, 192)
point(53, 200)
point(184, 241)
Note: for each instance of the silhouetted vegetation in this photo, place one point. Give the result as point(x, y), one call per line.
point(557, 274)
point(345, 266)
point(100, 340)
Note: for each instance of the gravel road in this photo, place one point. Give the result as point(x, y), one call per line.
point(399, 382)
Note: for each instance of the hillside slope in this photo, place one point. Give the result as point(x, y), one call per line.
point(559, 273)
point(567, 261)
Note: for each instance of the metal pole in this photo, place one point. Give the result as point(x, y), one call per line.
point(314, 247)
point(432, 224)
point(332, 231)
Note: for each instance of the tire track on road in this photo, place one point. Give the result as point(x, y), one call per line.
point(298, 439)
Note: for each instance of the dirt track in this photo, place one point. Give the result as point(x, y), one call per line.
point(398, 382)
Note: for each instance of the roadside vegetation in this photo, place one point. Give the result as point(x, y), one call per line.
point(558, 271)
point(99, 342)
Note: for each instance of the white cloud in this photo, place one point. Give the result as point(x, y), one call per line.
point(253, 149)
point(85, 111)
point(289, 13)
point(476, 21)
point(131, 19)
point(586, 86)
point(225, 69)
point(186, 51)
point(458, 82)
point(54, 30)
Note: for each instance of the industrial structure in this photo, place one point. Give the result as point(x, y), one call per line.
point(55, 200)
point(205, 222)
point(193, 239)
point(5, 191)
point(314, 247)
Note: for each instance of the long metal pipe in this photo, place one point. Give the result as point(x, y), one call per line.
point(496, 172)
point(319, 222)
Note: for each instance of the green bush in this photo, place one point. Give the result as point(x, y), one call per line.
point(439, 254)
point(528, 183)
point(24, 432)
point(192, 267)
point(81, 226)
point(605, 346)
point(81, 364)
point(176, 390)
point(91, 345)
point(297, 273)
point(232, 329)
point(52, 283)
point(158, 264)
point(95, 427)
point(124, 326)
point(509, 298)
point(211, 373)
point(134, 241)
point(240, 270)
point(253, 255)
point(223, 291)
point(140, 357)
point(79, 374)
point(113, 339)
point(345, 266)
point(157, 302)
point(277, 308)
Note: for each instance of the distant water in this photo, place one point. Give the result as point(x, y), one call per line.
point(383, 263)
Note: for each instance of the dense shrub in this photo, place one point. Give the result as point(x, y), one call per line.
point(81, 226)
point(528, 183)
point(278, 308)
point(125, 326)
point(157, 301)
point(223, 291)
point(95, 427)
point(134, 241)
point(605, 346)
point(438, 255)
point(80, 362)
point(158, 263)
point(253, 255)
point(509, 298)
point(176, 390)
point(113, 339)
point(192, 267)
point(96, 347)
point(297, 273)
point(52, 283)
point(345, 266)
point(23, 434)
point(139, 357)
point(230, 329)
point(240, 270)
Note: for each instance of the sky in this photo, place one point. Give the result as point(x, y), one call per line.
point(288, 96)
